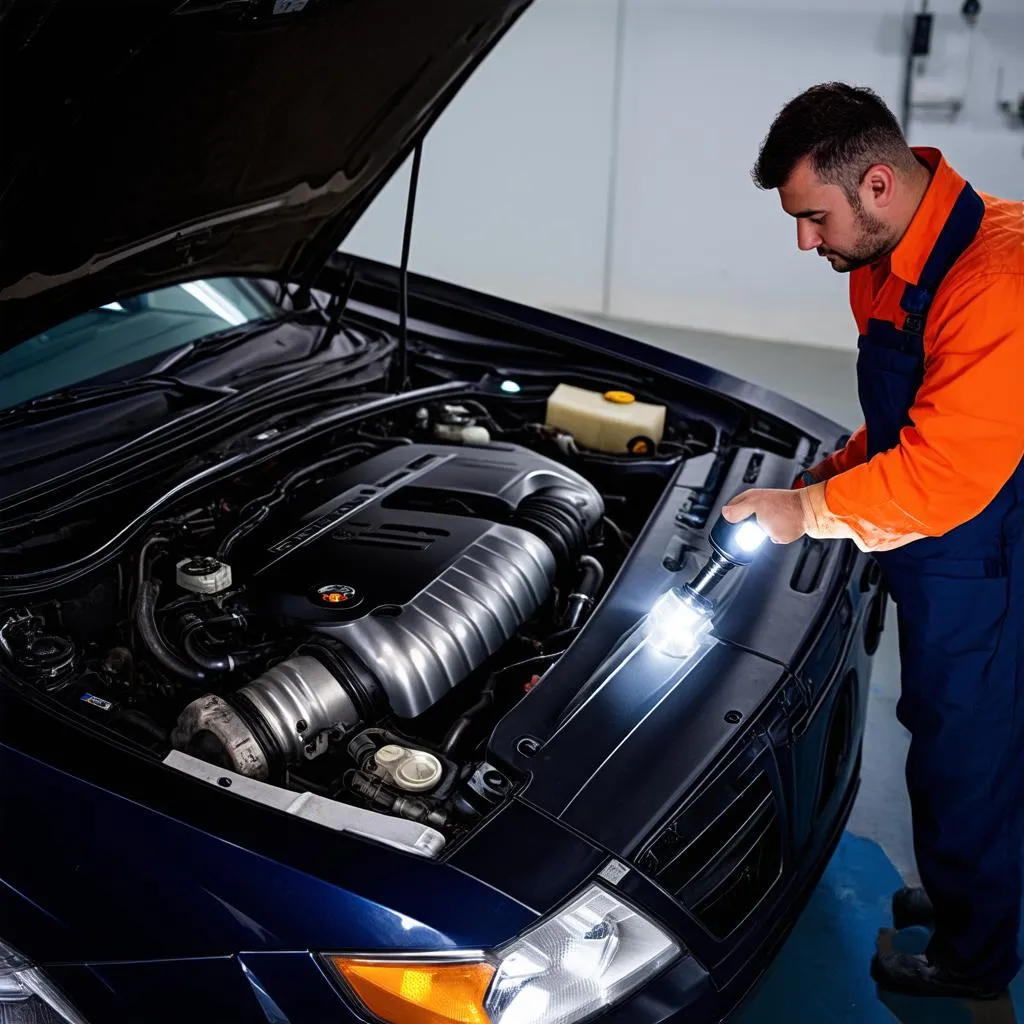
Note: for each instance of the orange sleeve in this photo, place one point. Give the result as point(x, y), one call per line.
point(967, 428)
point(852, 454)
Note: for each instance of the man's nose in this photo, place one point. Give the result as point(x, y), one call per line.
point(807, 235)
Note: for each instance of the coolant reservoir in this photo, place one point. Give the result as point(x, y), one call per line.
point(609, 421)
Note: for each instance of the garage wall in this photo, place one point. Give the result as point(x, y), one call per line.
point(513, 188)
point(599, 159)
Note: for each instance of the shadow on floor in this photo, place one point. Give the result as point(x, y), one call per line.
point(822, 973)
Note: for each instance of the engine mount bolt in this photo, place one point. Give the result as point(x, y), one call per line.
point(733, 717)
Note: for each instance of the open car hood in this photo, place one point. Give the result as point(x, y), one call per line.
point(151, 141)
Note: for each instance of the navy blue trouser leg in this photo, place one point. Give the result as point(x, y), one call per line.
point(961, 640)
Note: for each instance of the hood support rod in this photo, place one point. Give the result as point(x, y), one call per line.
point(403, 284)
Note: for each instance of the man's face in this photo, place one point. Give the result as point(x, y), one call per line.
point(847, 235)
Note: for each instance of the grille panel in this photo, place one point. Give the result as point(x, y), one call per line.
point(722, 854)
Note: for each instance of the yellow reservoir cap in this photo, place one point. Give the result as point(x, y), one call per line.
point(619, 397)
point(419, 993)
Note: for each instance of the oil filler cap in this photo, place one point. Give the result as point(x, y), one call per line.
point(337, 596)
point(619, 397)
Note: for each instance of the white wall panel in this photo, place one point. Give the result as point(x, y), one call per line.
point(513, 192)
point(696, 243)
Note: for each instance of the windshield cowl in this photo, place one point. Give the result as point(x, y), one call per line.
point(132, 337)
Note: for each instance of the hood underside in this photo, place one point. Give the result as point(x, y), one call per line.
point(150, 141)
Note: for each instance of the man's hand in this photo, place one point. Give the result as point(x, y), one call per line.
point(780, 513)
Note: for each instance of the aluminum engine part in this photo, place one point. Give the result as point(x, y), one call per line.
point(456, 622)
point(298, 701)
point(294, 704)
point(424, 560)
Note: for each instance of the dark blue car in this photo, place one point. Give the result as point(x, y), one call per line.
point(336, 682)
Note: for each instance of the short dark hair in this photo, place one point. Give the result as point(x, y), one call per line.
point(843, 129)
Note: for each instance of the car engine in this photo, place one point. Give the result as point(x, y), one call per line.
point(421, 563)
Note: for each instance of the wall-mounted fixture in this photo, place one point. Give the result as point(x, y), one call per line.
point(918, 49)
point(1014, 110)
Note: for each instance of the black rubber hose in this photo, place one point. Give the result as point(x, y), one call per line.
point(459, 727)
point(617, 533)
point(145, 620)
point(582, 598)
point(246, 526)
point(557, 522)
point(209, 662)
point(280, 492)
point(193, 648)
point(461, 724)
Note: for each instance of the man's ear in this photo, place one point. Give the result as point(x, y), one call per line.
point(878, 186)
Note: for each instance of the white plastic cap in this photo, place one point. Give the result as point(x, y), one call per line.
point(389, 755)
point(218, 577)
point(412, 770)
point(419, 771)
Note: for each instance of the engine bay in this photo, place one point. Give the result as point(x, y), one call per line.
point(351, 624)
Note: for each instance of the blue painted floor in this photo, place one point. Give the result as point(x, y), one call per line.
point(821, 975)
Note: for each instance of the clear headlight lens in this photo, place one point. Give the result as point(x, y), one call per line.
point(674, 626)
point(586, 957)
point(27, 996)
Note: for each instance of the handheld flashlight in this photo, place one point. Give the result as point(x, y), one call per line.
point(682, 616)
point(732, 544)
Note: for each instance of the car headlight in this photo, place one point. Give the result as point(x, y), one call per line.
point(589, 955)
point(27, 996)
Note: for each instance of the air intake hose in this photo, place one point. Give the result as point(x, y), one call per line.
point(284, 716)
point(558, 522)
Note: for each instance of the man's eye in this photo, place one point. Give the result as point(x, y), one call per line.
point(817, 220)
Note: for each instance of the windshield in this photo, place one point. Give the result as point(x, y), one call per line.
point(123, 333)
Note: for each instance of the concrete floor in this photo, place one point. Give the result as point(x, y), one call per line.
point(821, 974)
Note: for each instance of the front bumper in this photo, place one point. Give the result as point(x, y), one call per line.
point(295, 987)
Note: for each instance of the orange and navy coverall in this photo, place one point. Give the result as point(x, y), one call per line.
point(967, 432)
point(933, 484)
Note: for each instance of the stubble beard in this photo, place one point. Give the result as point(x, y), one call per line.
point(874, 240)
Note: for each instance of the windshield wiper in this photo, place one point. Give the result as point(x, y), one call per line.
point(87, 395)
point(223, 341)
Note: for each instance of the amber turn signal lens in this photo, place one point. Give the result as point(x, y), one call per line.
point(419, 993)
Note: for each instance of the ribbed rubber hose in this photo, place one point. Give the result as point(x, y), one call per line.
point(145, 620)
point(557, 522)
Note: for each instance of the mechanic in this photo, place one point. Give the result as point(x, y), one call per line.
point(932, 484)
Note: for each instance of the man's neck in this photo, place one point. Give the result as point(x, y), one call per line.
point(916, 188)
